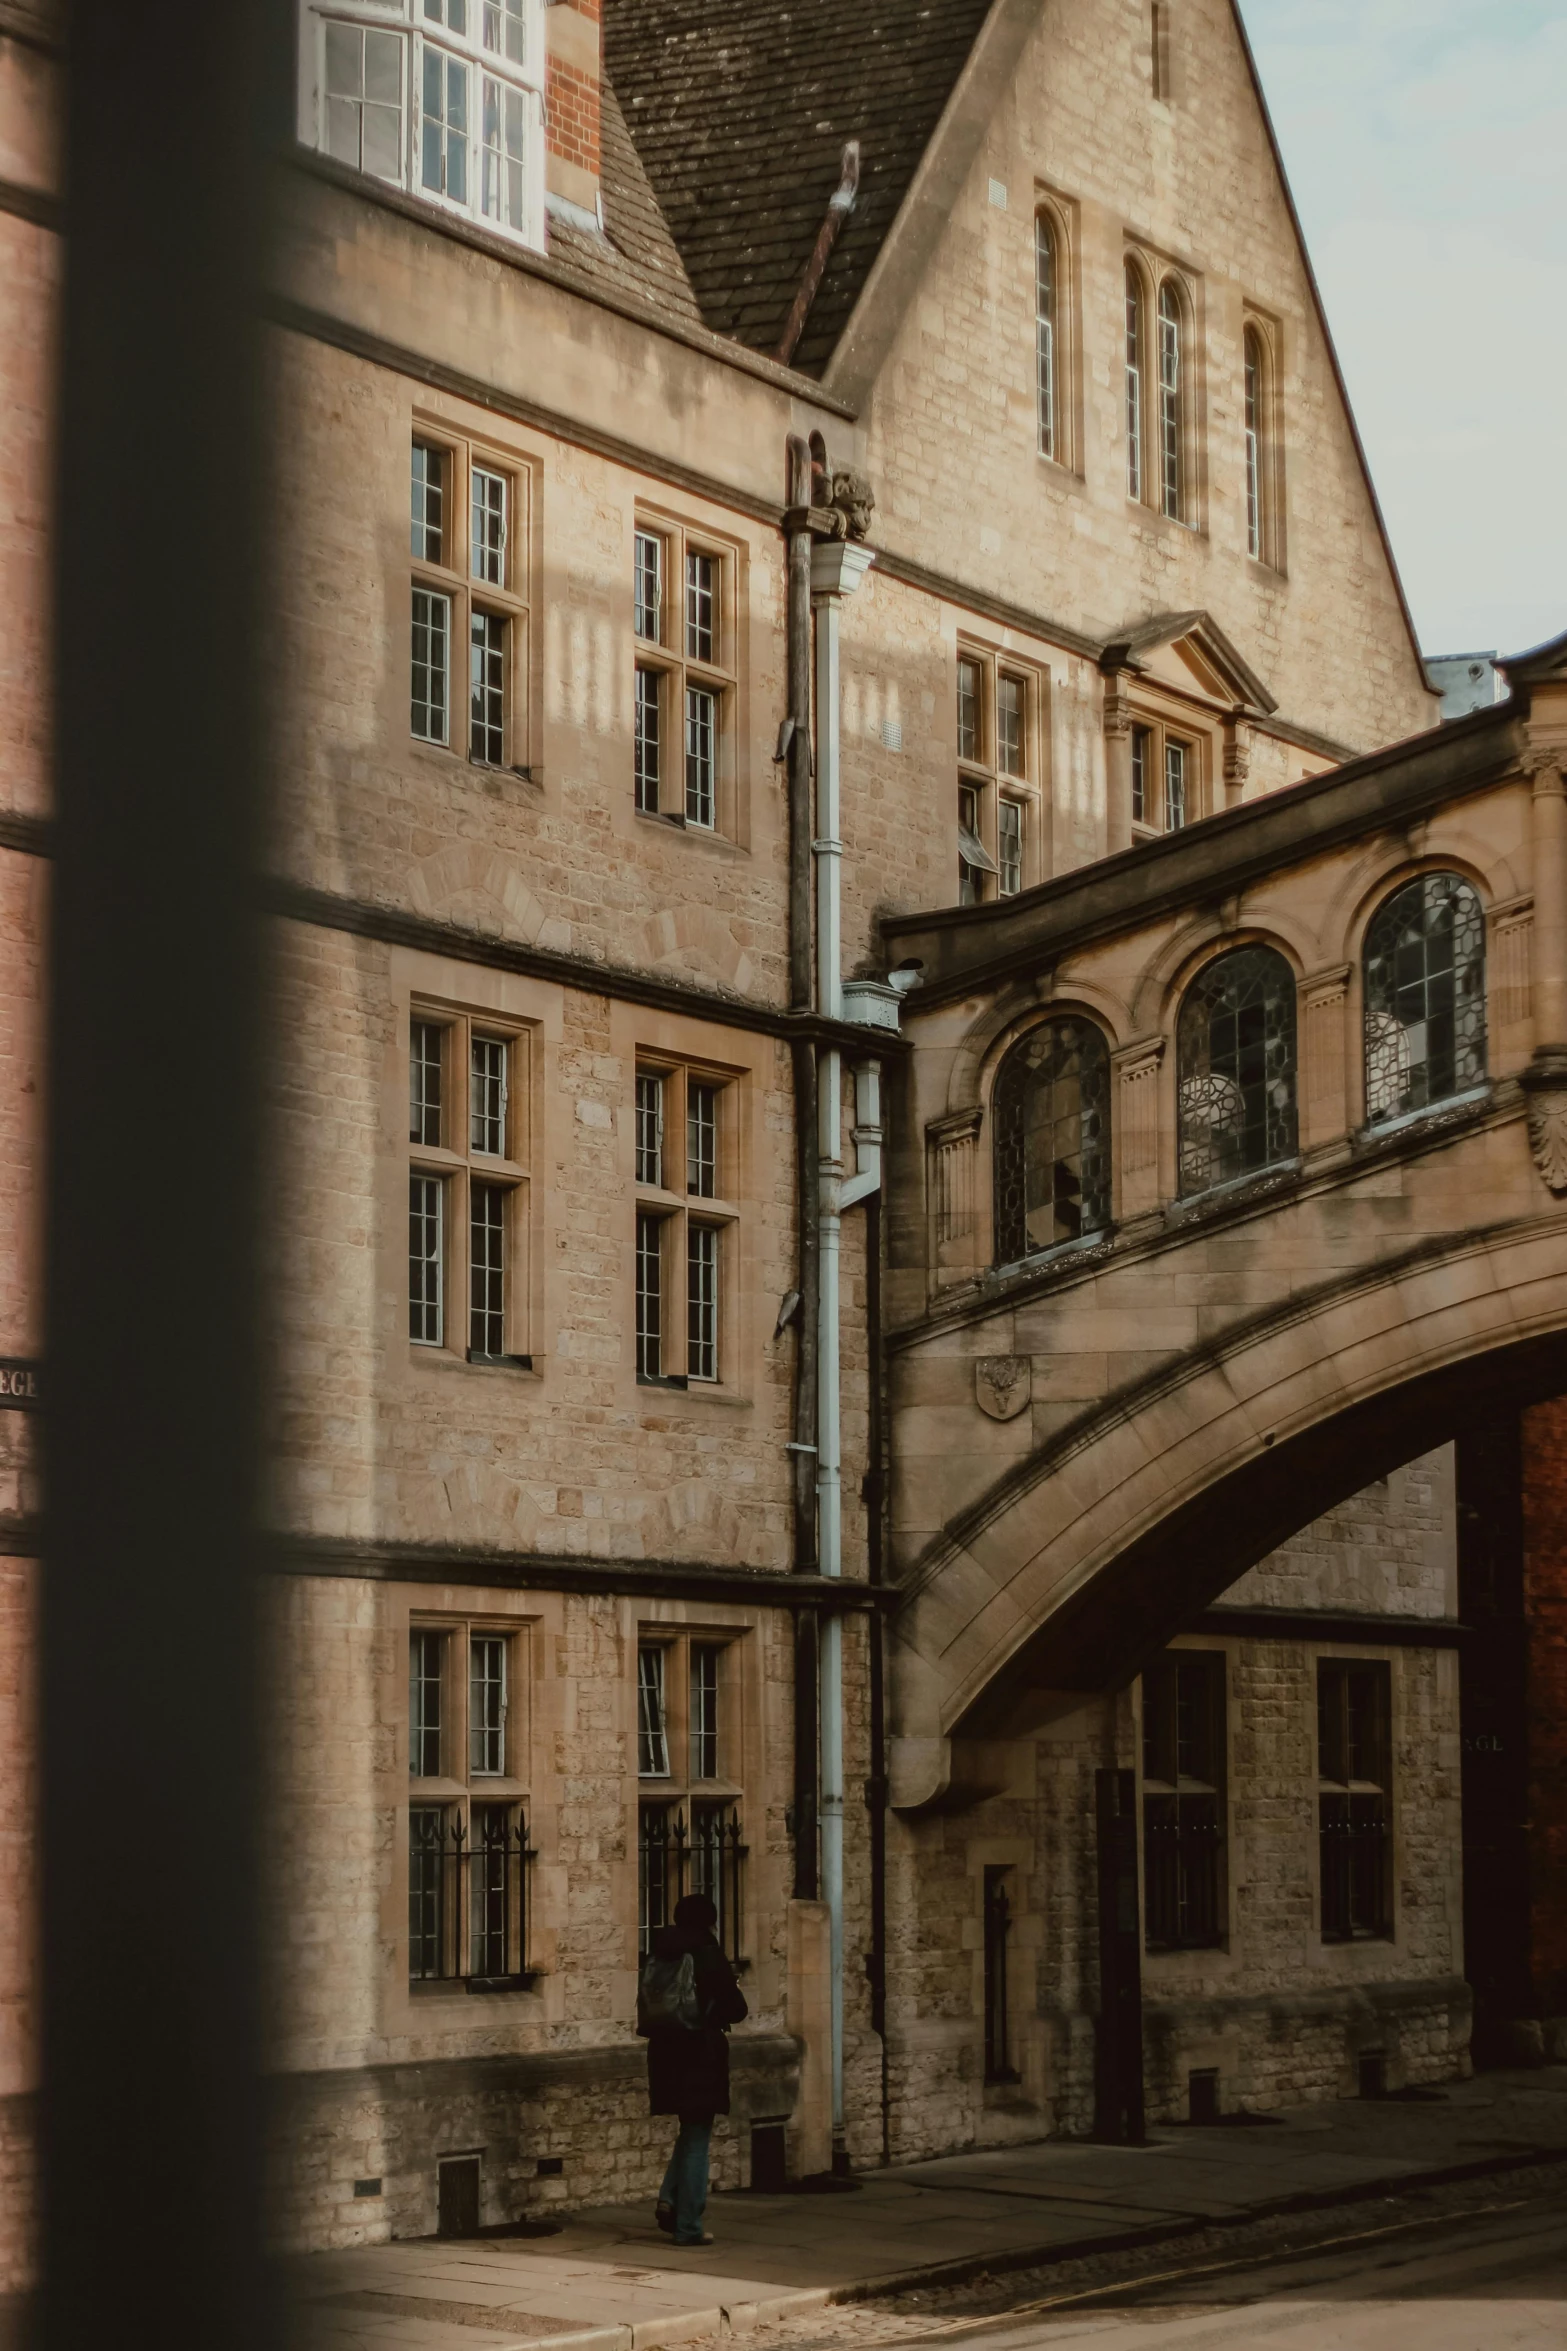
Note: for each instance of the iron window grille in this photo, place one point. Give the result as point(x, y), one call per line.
point(997, 1934)
point(1425, 997)
point(1235, 1051)
point(1183, 1800)
point(707, 1857)
point(442, 97)
point(1354, 1772)
point(468, 1896)
point(468, 1189)
point(684, 629)
point(1051, 1113)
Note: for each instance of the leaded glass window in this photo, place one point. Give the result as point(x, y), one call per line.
point(1236, 1052)
point(1052, 1139)
point(1134, 383)
point(1045, 332)
point(1425, 997)
point(1171, 422)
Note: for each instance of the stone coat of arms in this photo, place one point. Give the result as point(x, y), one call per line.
point(1003, 1385)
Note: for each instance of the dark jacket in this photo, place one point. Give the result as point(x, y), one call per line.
point(688, 2072)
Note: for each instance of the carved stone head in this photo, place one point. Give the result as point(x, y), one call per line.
point(854, 501)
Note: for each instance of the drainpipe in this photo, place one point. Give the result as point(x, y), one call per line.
point(795, 751)
point(837, 568)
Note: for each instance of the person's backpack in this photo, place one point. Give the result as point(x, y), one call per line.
point(667, 1996)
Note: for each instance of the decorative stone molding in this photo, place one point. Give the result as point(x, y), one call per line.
point(1137, 1125)
point(852, 504)
point(1513, 953)
point(1117, 707)
point(1237, 756)
point(1323, 1000)
point(951, 1146)
point(1545, 1089)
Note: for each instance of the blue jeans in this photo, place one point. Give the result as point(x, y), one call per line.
point(685, 2182)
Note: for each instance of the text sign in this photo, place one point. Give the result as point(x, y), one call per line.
point(20, 1378)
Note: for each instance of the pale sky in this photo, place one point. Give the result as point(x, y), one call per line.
point(1426, 142)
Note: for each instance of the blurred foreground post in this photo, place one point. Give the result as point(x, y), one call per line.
point(151, 2130)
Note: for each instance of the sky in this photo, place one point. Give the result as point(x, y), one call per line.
point(1426, 143)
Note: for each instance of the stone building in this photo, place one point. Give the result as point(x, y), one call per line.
point(933, 414)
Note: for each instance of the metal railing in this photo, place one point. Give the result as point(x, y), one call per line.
point(708, 1857)
point(1182, 1844)
point(1354, 1843)
point(468, 1897)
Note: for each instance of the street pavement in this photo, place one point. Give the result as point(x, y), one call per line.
point(610, 2282)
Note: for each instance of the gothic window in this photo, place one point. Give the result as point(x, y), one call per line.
point(1236, 1055)
point(1172, 402)
point(1425, 997)
point(1052, 1139)
point(1256, 432)
point(1134, 382)
point(1045, 277)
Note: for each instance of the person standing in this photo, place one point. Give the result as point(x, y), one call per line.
point(686, 2001)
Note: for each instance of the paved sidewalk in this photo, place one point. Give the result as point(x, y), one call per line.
point(610, 2282)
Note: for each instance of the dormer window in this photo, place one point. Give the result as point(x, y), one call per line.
point(443, 98)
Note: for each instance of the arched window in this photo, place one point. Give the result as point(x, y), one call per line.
point(1256, 478)
point(1134, 383)
point(1045, 275)
point(1052, 1139)
point(1425, 996)
point(1172, 422)
point(1236, 1062)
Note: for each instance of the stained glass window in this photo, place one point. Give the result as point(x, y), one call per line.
point(1425, 997)
point(1236, 1051)
point(1052, 1139)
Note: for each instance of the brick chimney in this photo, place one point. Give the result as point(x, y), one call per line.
point(574, 50)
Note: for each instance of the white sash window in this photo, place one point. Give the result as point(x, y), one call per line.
point(441, 97)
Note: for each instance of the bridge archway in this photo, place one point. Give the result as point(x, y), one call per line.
point(1093, 1549)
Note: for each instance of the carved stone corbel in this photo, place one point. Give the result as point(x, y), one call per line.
point(1544, 1084)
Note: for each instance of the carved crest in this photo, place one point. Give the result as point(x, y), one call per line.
point(1003, 1385)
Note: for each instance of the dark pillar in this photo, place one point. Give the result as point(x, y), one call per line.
point(1544, 1448)
point(1118, 2065)
point(1494, 1740)
point(151, 2138)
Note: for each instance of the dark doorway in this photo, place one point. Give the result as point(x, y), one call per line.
point(457, 2203)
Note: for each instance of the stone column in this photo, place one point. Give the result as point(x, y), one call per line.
point(952, 1154)
point(1118, 764)
point(1324, 1069)
point(1137, 1083)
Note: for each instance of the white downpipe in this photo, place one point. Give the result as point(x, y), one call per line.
point(837, 569)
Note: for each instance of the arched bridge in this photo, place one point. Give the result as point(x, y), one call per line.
point(1229, 1173)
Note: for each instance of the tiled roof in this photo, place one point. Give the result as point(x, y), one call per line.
point(636, 255)
point(740, 110)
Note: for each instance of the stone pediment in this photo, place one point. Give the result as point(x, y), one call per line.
point(1190, 651)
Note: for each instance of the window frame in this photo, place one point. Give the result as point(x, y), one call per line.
point(1188, 1135)
point(680, 1209)
point(681, 1794)
point(1172, 1792)
point(419, 36)
point(464, 1170)
point(1476, 1046)
point(1154, 732)
point(507, 600)
point(1346, 1789)
point(1149, 277)
point(683, 677)
point(1056, 424)
point(980, 772)
point(459, 1794)
point(1262, 443)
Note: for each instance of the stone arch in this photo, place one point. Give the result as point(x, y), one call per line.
point(996, 1030)
point(1166, 978)
point(695, 940)
point(1089, 1553)
point(471, 885)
